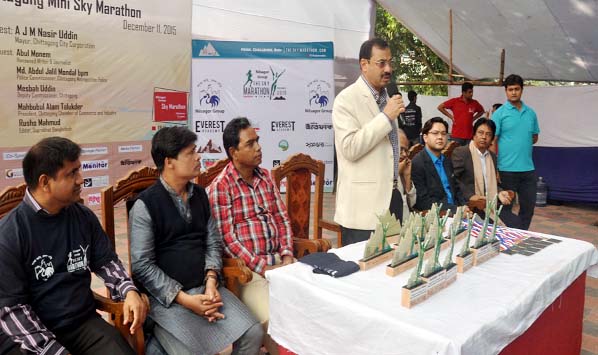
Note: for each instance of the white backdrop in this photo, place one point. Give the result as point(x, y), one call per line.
point(285, 89)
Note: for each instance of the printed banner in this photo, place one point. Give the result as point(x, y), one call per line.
point(285, 89)
point(88, 70)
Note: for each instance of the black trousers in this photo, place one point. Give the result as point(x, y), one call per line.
point(350, 236)
point(524, 184)
point(93, 336)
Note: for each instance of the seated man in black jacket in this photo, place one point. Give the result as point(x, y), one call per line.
point(432, 172)
point(48, 245)
point(176, 256)
point(476, 172)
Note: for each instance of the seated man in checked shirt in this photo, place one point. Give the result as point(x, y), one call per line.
point(251, 216)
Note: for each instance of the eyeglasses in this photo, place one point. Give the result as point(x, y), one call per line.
point(483, 134)
point(382, 63)
point(435, 133)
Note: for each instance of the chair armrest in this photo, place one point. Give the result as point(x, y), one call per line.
point(235, 273)
point(302, 247)
point(330, 225)
point(477, 205)
point(116, 318)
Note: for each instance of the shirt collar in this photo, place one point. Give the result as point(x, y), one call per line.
point(30, 200)
point(434, 157)
point(171, 190)
point(511, 107)
point(237, 176)
point(377, 94)
point(483, 155)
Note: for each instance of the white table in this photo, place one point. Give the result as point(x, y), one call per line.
point(481, 313)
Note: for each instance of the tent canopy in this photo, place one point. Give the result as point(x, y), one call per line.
point(543, 39)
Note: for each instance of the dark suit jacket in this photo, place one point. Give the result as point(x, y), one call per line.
point(428, 185)
point(463, 170)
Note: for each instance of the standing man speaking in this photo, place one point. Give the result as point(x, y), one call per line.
point(367, 146)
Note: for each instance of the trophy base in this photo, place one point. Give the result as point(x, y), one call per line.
point(436, 281)
point(485, 252)
point(451, 275)
point(415, 295)
point(401, 267)
point(366, 264)
point(464, 263)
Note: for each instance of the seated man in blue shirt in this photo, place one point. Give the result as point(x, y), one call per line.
point(432, 172)
point(49, 245)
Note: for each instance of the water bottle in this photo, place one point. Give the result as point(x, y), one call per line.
point(541, 192)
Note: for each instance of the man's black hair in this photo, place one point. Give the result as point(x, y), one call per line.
point(487, 122)
point(230, 136)
point(411, 95)
point(513, 79)
point(429, 123)
point(47, 157)
point(365, 52)
point(168, 143)
point(466, 86)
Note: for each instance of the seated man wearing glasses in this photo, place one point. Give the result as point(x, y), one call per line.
point(432, 172)
point(475, 169)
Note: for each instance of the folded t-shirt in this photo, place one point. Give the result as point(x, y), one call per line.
point(330, 264)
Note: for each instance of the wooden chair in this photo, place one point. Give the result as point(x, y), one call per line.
point(126, 189)
point(301, 246)
point(448, 150)
point(298, 170)
point(9, 199)
point(480, 205)
point(416, 148)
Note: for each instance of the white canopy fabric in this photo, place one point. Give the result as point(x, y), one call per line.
point(345, 22)
point(543, 39)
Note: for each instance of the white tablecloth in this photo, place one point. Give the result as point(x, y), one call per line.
point(481, 313)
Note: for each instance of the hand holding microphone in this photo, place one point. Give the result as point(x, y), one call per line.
point(394, 104)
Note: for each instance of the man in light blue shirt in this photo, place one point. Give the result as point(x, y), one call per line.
point(516, 132)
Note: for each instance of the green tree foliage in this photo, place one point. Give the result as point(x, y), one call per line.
point(414, 60)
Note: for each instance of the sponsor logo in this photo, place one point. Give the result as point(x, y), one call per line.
point(208, 91)
point(318, 126)
point(209, 126)
point(283, 145)
point(94, 165)
point(260, 83)
point(318, 96)
point(126, 162)
point(14, 155)
point(94, 150)
point(327, 182)
point(135, 148)
point(94, 199)
point(43, 267)
point(317, 144)
point(13, 173)
point(286, 126)
point(275, 162)
point(96, 181)
point(77, 259)
point(208, 51)
point(210, 147)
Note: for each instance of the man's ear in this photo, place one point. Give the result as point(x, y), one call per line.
point(43, 182)
point(231, 152)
